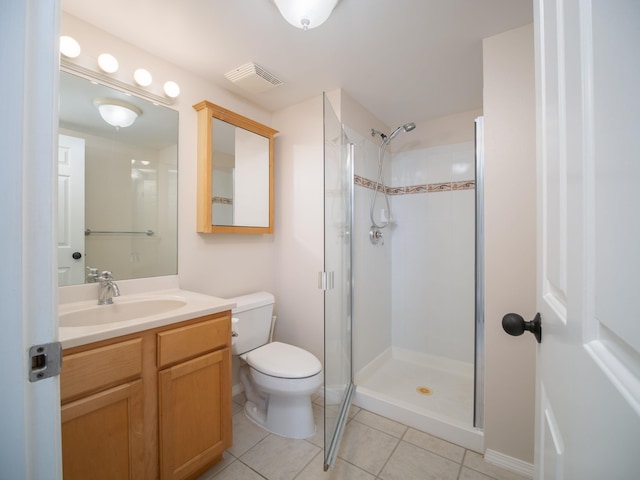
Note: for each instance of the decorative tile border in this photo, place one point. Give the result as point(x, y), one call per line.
point(411, 189)
point(222, 200)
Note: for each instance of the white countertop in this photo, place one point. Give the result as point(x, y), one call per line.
point(196, 305)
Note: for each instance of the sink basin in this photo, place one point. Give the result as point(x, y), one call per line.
point(119, 312)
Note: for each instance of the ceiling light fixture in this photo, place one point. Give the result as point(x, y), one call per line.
point(117, 113)
point(306, 14)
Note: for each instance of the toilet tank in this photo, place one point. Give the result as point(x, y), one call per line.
point(253, 313)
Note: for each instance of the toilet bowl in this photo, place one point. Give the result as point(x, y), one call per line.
point(278, 378)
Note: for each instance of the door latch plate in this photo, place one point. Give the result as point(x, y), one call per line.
point(46, 361)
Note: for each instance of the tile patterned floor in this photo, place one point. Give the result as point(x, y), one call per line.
point(373, 447)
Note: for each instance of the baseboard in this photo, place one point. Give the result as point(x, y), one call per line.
point(509, 463)
point(236, 389)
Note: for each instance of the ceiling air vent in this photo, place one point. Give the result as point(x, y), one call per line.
point(253, 78)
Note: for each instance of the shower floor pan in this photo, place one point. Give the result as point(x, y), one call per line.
point(429, 393)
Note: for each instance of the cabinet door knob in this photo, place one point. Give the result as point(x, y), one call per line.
point(515, 325)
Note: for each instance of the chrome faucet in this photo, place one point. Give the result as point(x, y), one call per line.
point(107, 289)
point(92, 276)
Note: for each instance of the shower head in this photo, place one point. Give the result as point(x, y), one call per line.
point(407, 127)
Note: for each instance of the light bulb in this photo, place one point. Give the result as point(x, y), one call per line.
point(142, 77)
point(108, 63)
point(171, 89)
point(69, 47)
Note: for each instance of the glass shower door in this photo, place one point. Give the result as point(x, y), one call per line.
point(336, 281)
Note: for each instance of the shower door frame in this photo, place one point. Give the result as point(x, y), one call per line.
point(338, 295)
point(479, 346)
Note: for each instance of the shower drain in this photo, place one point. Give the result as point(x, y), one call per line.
point(424, 390)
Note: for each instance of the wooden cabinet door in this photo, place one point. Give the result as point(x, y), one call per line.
point(102, 435)
point(194, 414)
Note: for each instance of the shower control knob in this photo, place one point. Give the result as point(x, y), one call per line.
point(515, 325)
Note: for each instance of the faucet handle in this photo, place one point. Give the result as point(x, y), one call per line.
point(105, 275)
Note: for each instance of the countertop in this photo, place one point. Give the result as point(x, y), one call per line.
point(196, 305)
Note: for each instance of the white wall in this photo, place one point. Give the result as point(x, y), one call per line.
point(510, 228)
point(299, 233)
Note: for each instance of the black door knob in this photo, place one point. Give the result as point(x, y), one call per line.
point(515, 325)
point(76, 255)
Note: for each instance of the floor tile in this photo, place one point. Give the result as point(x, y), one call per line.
point(227, 459)
point(318, 418)
point(381, 423)
point(366, 447)
point(341, 471)
point(435, 445)
point(468, 474)
point(411, 462)
point(238, 471)
point(245, 434)
point(280, 458)
point(476, 462)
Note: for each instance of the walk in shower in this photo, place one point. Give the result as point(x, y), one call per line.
point(403, 229)
point(415, 340)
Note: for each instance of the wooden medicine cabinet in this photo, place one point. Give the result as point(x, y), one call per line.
point(235, 172)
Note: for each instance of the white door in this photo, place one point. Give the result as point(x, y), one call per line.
point(588, 364)
point(30, 412)
point(70, 210)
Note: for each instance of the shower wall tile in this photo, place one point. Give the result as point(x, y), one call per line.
point(465, 185)
point(440, 187)
point(416, 291)
point(433, 254)
point(372, 292)
point(462, 161)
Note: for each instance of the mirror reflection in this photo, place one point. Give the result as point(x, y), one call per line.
point(117, 184)
point(240, 176)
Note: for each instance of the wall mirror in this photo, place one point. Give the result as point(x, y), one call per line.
point(235, 172)
point(117, 184)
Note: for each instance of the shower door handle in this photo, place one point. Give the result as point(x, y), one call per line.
point(515, 325)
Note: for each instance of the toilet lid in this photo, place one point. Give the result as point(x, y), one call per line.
point(283, 360)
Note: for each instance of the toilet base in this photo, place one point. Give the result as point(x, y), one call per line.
point(287, 416)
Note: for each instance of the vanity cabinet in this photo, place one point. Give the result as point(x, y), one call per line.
point(154, 404)
point(195, 419)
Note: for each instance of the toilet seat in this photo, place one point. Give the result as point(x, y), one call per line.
point(282, 360)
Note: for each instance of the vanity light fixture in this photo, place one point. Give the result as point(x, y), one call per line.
point(108, 63)
point(116, 112)
point(306, 14)
point(171, 89)
point(142, 77)
point(105, 69)
point(69, 47)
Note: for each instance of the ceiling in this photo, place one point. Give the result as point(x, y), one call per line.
point(404, 60)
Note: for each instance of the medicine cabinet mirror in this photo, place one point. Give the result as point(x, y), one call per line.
point(235, 172)
point(117, 185)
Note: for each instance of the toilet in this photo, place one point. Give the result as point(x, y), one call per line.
point(278, 378)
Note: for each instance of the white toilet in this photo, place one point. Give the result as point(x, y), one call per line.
point(278, 378)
